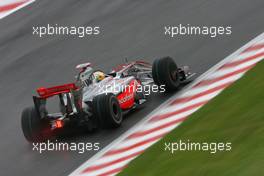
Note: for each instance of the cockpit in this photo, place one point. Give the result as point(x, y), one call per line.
point(88, 76)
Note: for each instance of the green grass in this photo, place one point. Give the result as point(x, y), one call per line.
point(236, 116)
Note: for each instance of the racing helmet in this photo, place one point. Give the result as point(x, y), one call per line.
point(99, 76)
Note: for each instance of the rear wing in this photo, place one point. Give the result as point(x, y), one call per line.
point(45, 93)
point(68, 97)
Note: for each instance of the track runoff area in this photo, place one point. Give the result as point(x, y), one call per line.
point(117, 155)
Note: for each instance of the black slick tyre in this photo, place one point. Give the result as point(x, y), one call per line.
point(165, 72)
point(32, 126)
point(107, 110)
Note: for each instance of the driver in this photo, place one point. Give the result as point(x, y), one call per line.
point(99, 76)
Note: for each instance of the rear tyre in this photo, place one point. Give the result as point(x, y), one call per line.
point(165, 72)
point(107, 110)
point(32, 125)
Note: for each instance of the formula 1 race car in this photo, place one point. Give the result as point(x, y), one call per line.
point(97, 99)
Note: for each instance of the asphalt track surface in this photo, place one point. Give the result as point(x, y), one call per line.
point(129, 29)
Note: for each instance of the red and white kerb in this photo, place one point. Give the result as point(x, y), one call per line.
point(9, 6)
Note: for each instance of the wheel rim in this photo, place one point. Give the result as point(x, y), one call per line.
point(115, 110)
point(173, 75)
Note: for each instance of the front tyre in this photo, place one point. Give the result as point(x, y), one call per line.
point(32, 125)
point(107, 109)
point(165, 72)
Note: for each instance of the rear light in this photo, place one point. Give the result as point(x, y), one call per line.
point(48, 92)
point(58, 124)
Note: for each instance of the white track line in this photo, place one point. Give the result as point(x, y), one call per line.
point(216, 84)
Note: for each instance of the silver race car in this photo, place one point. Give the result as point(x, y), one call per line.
point(97, 99)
